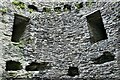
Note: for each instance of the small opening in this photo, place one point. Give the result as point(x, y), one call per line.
point(13, 66)
point(34, 66)
point(72, 71)
point(19, 26)
point(105, 57)
point(67, 7)
point(96, 27)
point(57, 9)
point(33, 7)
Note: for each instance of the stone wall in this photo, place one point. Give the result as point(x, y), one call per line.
point(55, 41)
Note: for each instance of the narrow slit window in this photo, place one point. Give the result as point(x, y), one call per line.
point(19, 26)
point(96, 27)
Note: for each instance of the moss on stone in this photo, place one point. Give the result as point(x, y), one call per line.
point(12, 74)
point(15, 2)
point(89, 3)
point(57, 9)
point(46, 9)
point(20, 5)
point(30, 10)
point(3, 10)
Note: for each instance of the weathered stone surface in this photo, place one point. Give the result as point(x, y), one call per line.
point(79, 5)
point(57, 9)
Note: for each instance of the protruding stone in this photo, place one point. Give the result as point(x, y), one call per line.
point(19, 26)
point(106, 57)
point(13, 66)
point(73, 71)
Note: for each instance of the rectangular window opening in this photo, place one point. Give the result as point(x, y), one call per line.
point(96, 27)
point(19, 26)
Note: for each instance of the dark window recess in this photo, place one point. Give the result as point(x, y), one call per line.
point(72, 71)
point(96, 27)
point(13, 66)
point(45, 9)
point(33, 7)
point(67, 7)
point(57, 9)
point(34, 66)
point(19, 26)
point(105, 57)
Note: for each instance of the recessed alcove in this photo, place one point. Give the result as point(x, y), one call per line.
point(34, 66)
point(33, 7)
point(73, 71)
point(96, 27)
point(105, 57)
point(13, 65)
point(67, 7)
point(46, 9)
point(57, 9)
point(20, 23)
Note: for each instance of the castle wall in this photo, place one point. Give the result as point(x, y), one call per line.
point(63, 39)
